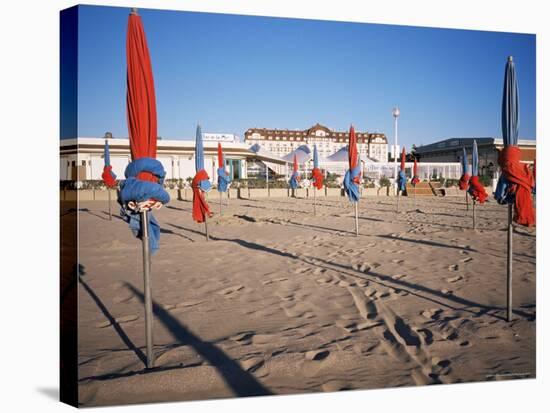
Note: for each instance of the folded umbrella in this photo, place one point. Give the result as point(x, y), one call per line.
point(415, 179)
point(108, 176)
point(295, 177)
point(316, 173)
point(401, 177)
point(352, 176)
point(201, 182)
point(465, 177)
point(223, 176)
point(476, 190)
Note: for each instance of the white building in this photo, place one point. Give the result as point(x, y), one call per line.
point(280, 142)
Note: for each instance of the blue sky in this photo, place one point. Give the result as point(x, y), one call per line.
point(232, 72)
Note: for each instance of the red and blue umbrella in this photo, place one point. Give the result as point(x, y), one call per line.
point(465, 178)
point(415, 179)
point(316, 173)
point(476, 189)
point(401, 177)
point(201, 182)
point(353, 174)
point(108, 176)
point(295, 177)
point(223, 176)
point(516, 182)
point(142, 189)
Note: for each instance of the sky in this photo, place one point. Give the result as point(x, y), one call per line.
point(232, 72)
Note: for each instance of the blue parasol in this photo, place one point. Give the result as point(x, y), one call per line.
point(204, 184)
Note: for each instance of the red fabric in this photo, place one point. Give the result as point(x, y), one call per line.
point(200, 206)
point(220, 156)
point(403, 156)
point(318, 178)
point(415, 180)
point(295, 164)
point(415, 168)
point(477, 190)
point(352, 149)
point(464, 182)
point(107, 177)
point(522, 183)
point(140, 96)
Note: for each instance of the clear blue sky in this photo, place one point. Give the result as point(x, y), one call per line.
point(233, 72)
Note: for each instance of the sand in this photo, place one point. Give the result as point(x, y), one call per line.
point(282, 302)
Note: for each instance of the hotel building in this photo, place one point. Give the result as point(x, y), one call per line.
point(280, 142)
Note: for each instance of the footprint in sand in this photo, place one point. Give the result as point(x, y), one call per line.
point(467, 259)
point(126, 319)
point(316, 355)
point(432, 313)
point(398, 276)
point(301, 270)
point(398, 261)
point(445, 291)
point(318, 271)
point(230, 290)
point(454, 279)
point(252, 364)
point(243, 337)
point(453, 267)
point(274, 280)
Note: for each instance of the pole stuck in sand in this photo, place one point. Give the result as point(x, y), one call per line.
point(473, 213)
point(147, 289)
point(356, 219)
point(467, 203)
point(220, 203)
point(109, 201)
point(206, 227)
point(314, 200)
point(509, 265)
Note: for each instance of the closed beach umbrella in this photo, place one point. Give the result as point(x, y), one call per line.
point(415, 179)
point(353, 175)
point(465, 178)
point(295, 177)
point(401, 177)
point(516, 183)
point(142, 190)
point(316, 173)
point(108, 176)
point(223, 176)
point(200, 183)
point(476, 189)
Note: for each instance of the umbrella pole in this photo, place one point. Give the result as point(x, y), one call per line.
point(467, 203)
point(414, 194)
point(509, 264)
point(474, 213)
point(206, 227)
point(397, 208)
point(109, 200)
point(356, 219)
point(147, 289)
point(220, 203)
point(314, 201)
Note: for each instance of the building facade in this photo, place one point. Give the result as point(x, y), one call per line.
point(450, 150)
point(280, 142)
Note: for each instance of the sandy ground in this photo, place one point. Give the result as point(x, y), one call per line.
point(280, 301)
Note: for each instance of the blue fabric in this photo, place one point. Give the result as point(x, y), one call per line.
point(510, 106)
point(107, 158)
point(351, 188)
point(315, 157)
point(133, 189)
point(464, 161)
point(475, 160)
point(510, 126)
point(502, 195)
point(205, 184)
point(199, 150)
point(401, 181)
point(294, 180)
point(223, 180)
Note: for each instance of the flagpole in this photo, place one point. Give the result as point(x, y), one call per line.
point(147, 289)
point(356, 220)
point(509, 264)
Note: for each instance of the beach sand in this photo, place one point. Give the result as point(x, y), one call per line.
point(282, 302)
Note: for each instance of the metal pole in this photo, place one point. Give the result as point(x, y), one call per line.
point(314, 201)
point(395, 152)
point(109, 196)
point(220, 203)
point(267, 178)
point(509, 264)
point(356, 220)
point(474, 213)
point(397, 210)
point(147, 289)
point(206, 228)
point(467, 203)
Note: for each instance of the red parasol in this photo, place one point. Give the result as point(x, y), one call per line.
point(140, 98)
point(220, 156)
point(295, 165)
point(415, 178)
point(403, 156)
point(352, 149)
